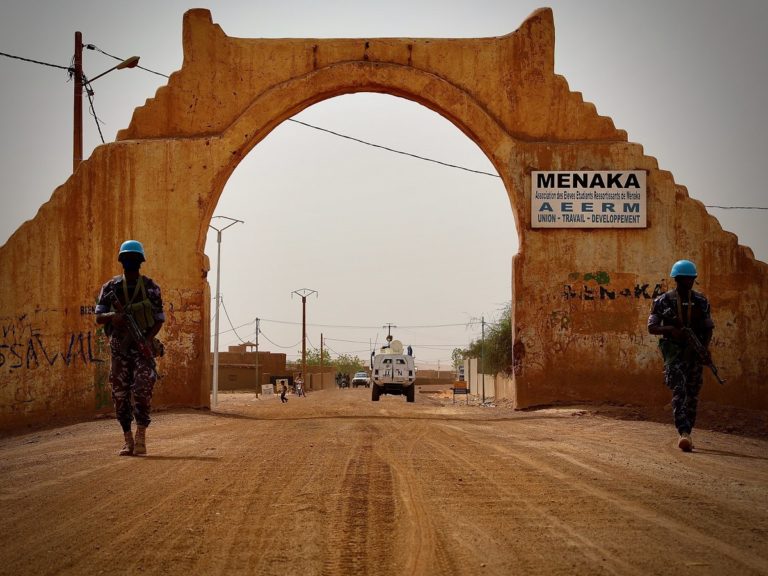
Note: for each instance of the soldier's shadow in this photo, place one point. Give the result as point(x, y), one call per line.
point(712, 452)
point(198, 458)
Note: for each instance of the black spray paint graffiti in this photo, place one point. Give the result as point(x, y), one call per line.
point(26, 348)
point(601, 292)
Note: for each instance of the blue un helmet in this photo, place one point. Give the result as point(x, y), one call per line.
point(683, 268)
point(131, 247)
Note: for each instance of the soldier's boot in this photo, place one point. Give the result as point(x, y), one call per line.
point(129, 446)
point(685, 444)
point(141, 440)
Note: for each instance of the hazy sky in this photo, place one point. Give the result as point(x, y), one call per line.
point(686, 79)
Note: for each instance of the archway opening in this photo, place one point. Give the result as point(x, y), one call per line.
point(383, 237)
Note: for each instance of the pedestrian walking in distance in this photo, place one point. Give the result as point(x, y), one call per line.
point(130, 307)
point(283, 391)
point(679, 316)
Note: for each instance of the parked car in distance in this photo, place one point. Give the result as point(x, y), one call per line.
point(361, 379)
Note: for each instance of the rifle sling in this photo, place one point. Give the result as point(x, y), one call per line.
point(687, 319)
point(139, 288)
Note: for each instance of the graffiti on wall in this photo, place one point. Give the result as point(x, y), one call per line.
point(559, 330)
point(25, 347)
point(581, 287)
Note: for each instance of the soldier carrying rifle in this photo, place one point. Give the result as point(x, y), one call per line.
point(131, 309)
point(682, 318)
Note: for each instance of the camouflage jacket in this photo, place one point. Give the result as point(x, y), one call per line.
point(115, 285)
point(695, 314)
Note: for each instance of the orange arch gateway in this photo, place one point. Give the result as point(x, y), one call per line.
point(598, 222)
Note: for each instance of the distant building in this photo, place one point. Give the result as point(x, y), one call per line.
point(237, 368)
point(435, 377)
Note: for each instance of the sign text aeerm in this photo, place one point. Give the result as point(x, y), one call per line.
point(600, 199)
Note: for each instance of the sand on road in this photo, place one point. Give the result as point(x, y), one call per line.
point(334, 484)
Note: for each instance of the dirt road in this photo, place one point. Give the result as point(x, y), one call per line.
point(335, 484)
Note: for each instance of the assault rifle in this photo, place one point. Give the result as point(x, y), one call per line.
point(698, 347)
point(137, 335)
point(701, 350)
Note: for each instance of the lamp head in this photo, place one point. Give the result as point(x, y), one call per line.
point(131, 62)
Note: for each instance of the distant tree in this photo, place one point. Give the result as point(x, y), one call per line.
point(496, 352)
point(349, 364)
point(313, 358)
point(457, 357)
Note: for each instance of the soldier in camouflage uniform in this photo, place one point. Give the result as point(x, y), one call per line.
point(671, 313)
point(132, 374)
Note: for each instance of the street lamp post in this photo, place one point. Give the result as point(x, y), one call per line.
point(233, 221)
point(482, 357)
point(77, 127)
point(258, 388)
point(303, 293)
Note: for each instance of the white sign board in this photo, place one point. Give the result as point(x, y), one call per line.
point(267, 390)
point(582, 199)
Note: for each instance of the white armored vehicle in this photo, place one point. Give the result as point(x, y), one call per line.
point(393, 372)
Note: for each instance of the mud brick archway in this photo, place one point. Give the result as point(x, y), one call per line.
point(580, 297)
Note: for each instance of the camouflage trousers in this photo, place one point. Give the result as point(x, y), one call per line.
point(684, 378)
point(132, 379)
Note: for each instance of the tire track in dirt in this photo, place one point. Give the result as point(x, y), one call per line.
point(363, 511)
point(655, 477)
point(676, 530)
point(417, 537)
point(335, 484)
point(109, 489)
point(542, 507)
point(471, 502)
point(283, 509)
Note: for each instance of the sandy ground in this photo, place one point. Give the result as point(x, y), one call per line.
point(335, 484)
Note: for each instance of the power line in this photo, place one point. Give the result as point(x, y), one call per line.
point(358, 327)
point(230, 321)
point(233, 328)
point(89, 93)
point(388, 149)
point(437, 346)
point(355, 352)
point(436, 326)
point(320, 325)
point(310, 344)
point(331, 350)
point(94, 47)
point(276, 344)
point(337, 134)
point(412, 343)
point(737, 207)
point(35, 61)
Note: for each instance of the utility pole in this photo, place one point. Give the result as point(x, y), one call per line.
point(77, 118)
point(389, 327)
point(258, 388)
point(482, 356)
point(303, 293)
point(77, 128)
